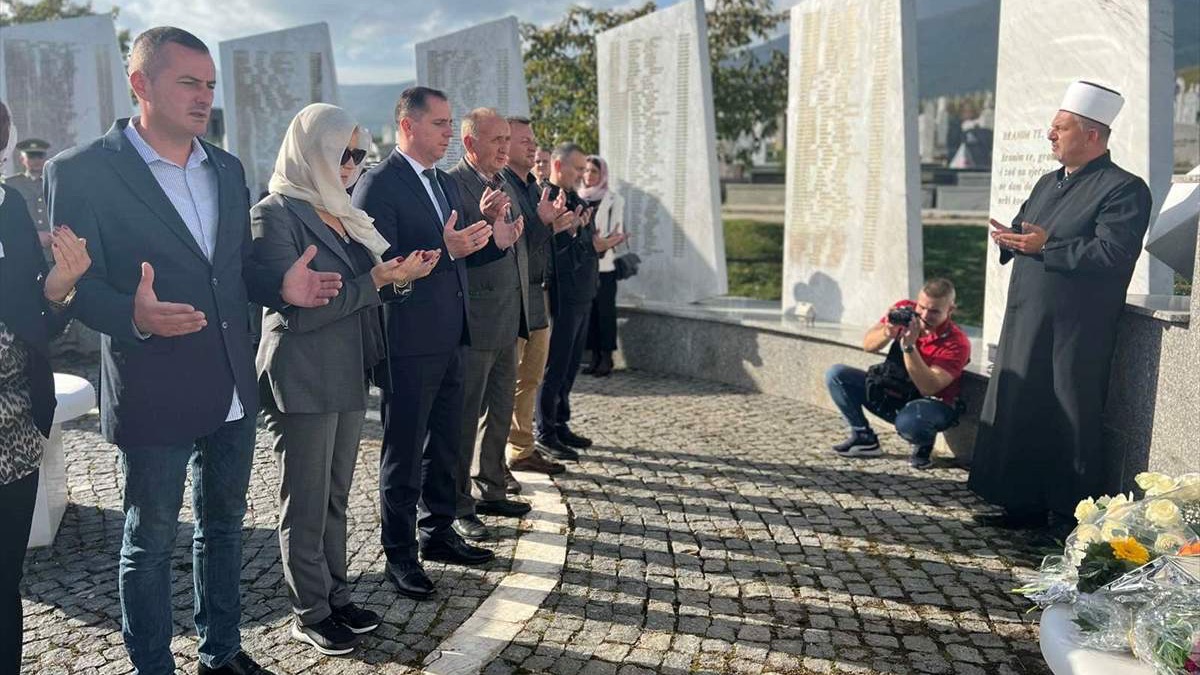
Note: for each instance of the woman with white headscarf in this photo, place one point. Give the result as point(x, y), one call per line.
point(314, 363)
point(34, 307)
point(609, 217)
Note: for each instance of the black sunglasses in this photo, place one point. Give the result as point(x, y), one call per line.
point(357, 155)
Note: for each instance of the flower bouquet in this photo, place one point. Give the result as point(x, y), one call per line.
point(1125, 558)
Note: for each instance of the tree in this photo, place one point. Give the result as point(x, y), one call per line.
point(749, 92)
point(749, 88)
point(17, 11)
point(560, 68)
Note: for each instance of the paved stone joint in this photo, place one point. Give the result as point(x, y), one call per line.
point(711, 531)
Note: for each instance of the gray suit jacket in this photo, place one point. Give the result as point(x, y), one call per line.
point(312, 360)
point(497, 281)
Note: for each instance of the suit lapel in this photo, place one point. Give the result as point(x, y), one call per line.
point(414, 183)
point(308, 216)
point(228, 227)
point(132, 169)
point(473, 184)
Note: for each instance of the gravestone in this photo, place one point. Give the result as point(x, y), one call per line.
point(852, 243)
point(480, 66)
point(63, 81)
point(266, 79)
point(1043, 48)
point(658, 134)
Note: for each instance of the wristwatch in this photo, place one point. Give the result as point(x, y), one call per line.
point(65, 302)
point(908, 349)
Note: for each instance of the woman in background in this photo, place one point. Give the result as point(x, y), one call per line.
point(609, 217)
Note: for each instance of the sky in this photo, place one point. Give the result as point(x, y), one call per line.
point(373, 40)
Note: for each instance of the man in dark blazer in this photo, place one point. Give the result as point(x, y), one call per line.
point(573, 281)
point(544, 217)
point(166, 219)
point(417, 207)
point(498, 281)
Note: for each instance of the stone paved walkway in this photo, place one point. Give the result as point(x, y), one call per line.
point(711, 531)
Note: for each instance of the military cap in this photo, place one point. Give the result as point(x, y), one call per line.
point(33, 146)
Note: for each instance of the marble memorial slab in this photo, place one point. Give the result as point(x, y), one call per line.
point(852, 239)
point(64, 81)
point(658, 134)
point(266, 79)
point(1122, 44)
point(480, 66)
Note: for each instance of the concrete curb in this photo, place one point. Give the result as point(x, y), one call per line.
point(536, 569)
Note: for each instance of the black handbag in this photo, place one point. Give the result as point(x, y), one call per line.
point(626, 265)
point(889, 388)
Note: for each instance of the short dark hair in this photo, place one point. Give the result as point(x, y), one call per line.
point(146, 53)
point(5, 121)
point(564, 150)
point(414, 101)
point(939, 288)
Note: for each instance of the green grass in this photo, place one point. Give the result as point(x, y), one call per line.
point(754, 257)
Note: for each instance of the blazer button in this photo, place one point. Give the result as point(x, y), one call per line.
point(224, 325)
point(460, 294)
point(214, 281)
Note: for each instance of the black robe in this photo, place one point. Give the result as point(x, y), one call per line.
point(1040, 443)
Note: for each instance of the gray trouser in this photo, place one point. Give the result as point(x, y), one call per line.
point(316, 455)
point(487, 417)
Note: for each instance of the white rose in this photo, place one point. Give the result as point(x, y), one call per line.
point(1086, 510)
point(1118, 501)
point(1188, 479)
point(1162, 513)
point(1087, 534)
point(1169, 543)
point(1154, 483)
point(1111, 529)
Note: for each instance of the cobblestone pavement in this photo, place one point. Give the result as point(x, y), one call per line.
point(712, 531)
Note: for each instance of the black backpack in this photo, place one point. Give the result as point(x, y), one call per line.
point(889, 388)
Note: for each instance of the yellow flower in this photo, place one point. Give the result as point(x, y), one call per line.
point(1128, 548)
point(1188, 479)
point(1168, 543)
point(1162, 513)
point(1154, 483)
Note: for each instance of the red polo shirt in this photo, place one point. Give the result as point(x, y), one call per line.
point(948, 349)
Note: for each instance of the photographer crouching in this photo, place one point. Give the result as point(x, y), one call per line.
point(916, 387)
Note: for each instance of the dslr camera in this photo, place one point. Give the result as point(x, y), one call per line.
point(901, 316)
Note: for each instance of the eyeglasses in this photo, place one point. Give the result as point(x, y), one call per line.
point(357, 155)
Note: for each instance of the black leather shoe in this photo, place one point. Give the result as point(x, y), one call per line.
point(553, 448)
point(240, 664)
point(511, 485)
point(456, 551)
point(574, 440)
point(471, 527)
point(1012, 521)
point(411, 581)
point(510, 508)
point(605, 367)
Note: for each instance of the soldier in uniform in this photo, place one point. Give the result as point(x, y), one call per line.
point(29, 184)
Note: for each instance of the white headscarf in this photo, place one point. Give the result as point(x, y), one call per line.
point(308, 167)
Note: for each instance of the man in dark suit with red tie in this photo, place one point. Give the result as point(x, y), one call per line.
point(416, 207)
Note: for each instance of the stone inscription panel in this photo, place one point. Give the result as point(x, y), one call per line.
point(477, 67)
point(657, 134)
point(852, 239)
point(63, 81)
point(267, 79)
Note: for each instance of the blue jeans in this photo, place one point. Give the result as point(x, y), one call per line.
point(918, 422)
point(154, 481)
